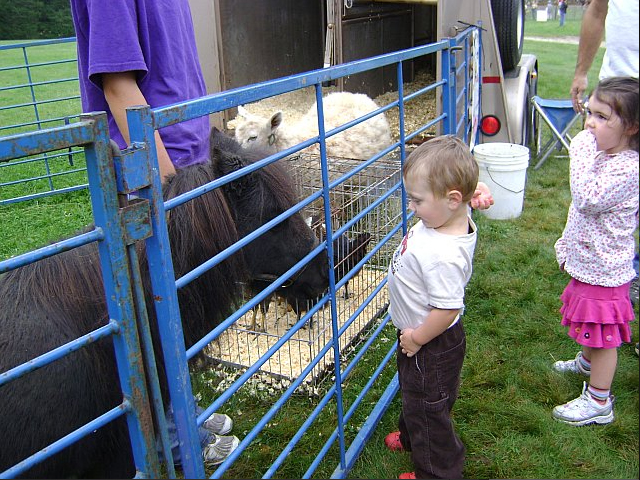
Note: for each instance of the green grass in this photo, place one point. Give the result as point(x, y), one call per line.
point(64, 72)
point(34, 223)
point(556, 64)
point(513, 329)
point(30, 224)
point(552, 28)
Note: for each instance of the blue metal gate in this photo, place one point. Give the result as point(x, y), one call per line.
point(119, 226)
point(39, 89)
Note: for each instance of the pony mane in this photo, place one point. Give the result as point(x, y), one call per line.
point(198, 230)
point(274, 178)
point(70, 282)
point(278, 180)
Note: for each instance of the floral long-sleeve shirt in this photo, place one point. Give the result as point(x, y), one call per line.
point(597, 245)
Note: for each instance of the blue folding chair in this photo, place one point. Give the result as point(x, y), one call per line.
point(559, 117)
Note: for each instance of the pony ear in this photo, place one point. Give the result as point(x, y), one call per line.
point(214, 136)
point(224, 163)
point(222, 142)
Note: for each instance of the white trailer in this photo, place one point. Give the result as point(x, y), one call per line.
point(508, 78)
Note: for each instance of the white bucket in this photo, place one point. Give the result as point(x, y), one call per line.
point(503, 167)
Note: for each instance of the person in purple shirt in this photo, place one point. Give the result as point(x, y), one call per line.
point(143, 52)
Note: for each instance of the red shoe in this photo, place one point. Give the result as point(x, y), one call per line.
point(392, 441)
point(407, 475)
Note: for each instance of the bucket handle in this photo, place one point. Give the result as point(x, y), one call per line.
point(508, 189)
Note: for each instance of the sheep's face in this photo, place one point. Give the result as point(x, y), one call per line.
point(253, 130)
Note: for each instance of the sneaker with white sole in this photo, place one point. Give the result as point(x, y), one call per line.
point(584, 410)
point(219, 449)
point(219, 423)
point(573, 366)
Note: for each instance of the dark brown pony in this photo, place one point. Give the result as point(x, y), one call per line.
point(58, 299)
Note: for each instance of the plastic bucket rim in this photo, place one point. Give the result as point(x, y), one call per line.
point(501, 151)
point(500, 145)
point(504, 167)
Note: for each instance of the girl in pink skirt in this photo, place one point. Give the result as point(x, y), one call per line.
point(597, 246)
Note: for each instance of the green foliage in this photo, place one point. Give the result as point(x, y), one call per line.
point(35, 19)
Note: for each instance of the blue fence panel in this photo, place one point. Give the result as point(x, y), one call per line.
point(114, 238)
point(122, 222)
point(221, 101)
point(39, 89)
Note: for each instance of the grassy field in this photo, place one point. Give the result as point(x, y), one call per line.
point(53, 73)
point(552, 28)
point(513, 336)
point(47, 64)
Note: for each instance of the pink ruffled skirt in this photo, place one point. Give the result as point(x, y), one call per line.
point(597, 317)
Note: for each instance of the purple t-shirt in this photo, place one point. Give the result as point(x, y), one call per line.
point(154, 38)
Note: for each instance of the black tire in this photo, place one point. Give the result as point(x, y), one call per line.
point(508, 19)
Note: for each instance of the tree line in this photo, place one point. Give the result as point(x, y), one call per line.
point(35, 19)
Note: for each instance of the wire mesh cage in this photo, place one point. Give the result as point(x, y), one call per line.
point(371, 192)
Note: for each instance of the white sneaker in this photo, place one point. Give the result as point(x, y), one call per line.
point(584, 410)
point(573, 366)
point(219, 449)
point(218, 423)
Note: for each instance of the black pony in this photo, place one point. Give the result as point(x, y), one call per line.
point(58, 299)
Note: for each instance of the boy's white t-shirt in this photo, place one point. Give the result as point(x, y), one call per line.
point(429, 270)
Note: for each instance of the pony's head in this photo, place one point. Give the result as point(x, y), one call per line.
point(257, 198)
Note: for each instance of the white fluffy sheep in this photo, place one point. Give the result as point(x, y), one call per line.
point(361, 141)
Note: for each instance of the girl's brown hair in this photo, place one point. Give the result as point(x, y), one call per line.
point(621, 94)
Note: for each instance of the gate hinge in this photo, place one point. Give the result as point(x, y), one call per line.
point(135, 218)
point(133, 170)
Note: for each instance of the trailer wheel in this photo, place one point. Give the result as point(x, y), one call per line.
point(508, 18)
